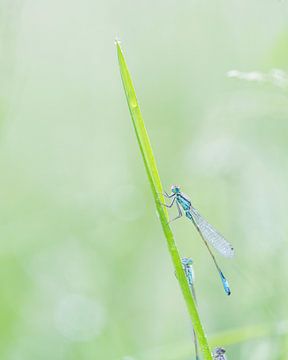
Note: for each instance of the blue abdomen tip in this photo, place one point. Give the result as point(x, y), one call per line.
point(225, 284)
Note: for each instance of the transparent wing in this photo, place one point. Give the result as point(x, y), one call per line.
point(211, 235)
point(186, 196)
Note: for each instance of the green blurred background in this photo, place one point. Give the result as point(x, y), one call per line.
point(85, 272)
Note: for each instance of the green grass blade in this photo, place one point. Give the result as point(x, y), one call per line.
point(156, 187)
point(182, 350)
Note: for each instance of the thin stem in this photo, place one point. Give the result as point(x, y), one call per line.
point(157, 190)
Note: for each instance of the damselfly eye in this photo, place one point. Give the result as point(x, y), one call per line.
point(175, 189)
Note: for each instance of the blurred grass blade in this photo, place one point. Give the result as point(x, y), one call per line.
point(156, 187)
point(182, 350)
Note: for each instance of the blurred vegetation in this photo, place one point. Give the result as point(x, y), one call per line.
point(78, 225)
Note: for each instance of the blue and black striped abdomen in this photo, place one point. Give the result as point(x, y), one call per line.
point(183, 202)
point(189, 215)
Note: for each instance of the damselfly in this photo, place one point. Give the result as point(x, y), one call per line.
point(188, 270)
point(219, 354)
point(206, 231)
